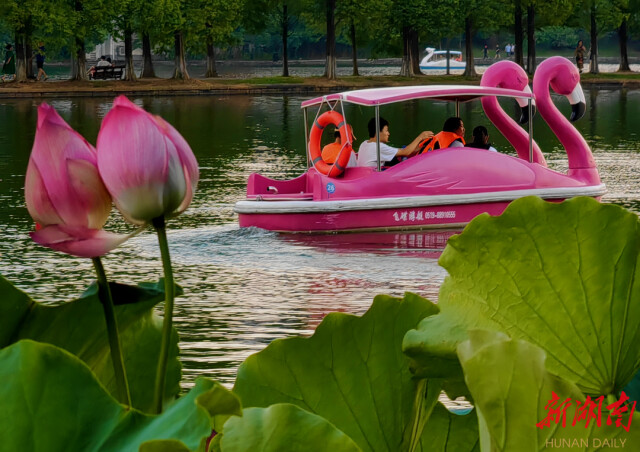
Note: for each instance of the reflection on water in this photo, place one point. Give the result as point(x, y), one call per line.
point(244, 288)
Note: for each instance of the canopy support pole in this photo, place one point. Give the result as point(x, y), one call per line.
point(530, 106)
point(306, 136)
point(378, 134)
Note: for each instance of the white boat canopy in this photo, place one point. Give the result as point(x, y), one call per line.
point(382, 96)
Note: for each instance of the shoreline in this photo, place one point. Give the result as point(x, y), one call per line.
point(256, 86)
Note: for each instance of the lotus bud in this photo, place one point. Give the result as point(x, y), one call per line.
point(63, 189)
point(148, 168)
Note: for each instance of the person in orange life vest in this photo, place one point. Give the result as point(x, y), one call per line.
point(452, 136)
point(368, 154)
point(331, 151)
point(481, 139)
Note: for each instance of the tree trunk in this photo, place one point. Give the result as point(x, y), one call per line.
point(354, 47)
point(79, 70)
point(130, 73)
point(331, 65)
point(79, 65)
point(21, 56)
point(406, 70)
point(29, 51)
point(470, 69)
point(211, 59)
point(147, 62)
point(285, 41)
point(593, 67)
point(517, 31)
point(414, 51)
point(180, 71)
point(531, 39)
point(623, 38)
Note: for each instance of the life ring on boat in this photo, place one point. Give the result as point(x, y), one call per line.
point(315, 151)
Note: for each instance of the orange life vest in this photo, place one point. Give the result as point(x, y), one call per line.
point(440, 140)
point(336, 168)
point(330, 152)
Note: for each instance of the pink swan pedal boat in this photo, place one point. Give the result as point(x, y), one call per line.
point(446, 188)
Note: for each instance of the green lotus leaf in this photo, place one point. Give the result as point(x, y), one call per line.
point(167, 445)
point(432, 348)
point(351, 372)
point(79, 327)
point(281, 427)
point(221, 405)
point(51, 401)
point(450, 432)
point(563, 276)
point(512, 390)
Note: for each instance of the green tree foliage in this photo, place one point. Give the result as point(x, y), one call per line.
point(151, 21)
point(541, 13)
point(29, 21)
point(211, 22)
point(595, 16)
point(359, 22)
point(479, 14)
point(91, 21)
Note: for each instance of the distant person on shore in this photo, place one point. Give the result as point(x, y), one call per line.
point(368, 153)
point(507, 50)
point(513, 49)
point(481, 139)
point(485, 52)
point(40, 56)
point(331, 151)
point(579, 54)
point(497, 57)
point(9, 66)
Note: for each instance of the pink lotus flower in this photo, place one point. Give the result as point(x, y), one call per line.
point(146, 165)
point(63, 190)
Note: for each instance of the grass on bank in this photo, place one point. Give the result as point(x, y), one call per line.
point(162, 85)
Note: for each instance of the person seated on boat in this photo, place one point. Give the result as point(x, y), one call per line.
point(452, 136)
point(481, 139)
point(331, 151)
point(368, 154)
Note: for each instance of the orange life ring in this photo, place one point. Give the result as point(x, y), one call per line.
point(315, 151)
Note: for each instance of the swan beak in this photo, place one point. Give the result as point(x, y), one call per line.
point(578, 104)
point(524, 113)
point(524, 107)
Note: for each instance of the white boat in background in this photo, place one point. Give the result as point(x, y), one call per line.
point(437, 59)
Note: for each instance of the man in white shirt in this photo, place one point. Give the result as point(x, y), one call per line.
point(367, 153)
point(103, 62)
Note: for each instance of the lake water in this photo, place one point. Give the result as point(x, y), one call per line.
point(245, 288)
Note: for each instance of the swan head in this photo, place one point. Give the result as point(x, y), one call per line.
point(524, 107)
point(509, 75)
point(564, 79)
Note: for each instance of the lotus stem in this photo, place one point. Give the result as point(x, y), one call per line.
point(167, 324)
point(104, 294)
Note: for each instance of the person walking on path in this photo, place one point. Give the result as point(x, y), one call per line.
point(579, 54)
point(485, 52)
point(497, 57)
point(40, 56)
point(9, 66)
